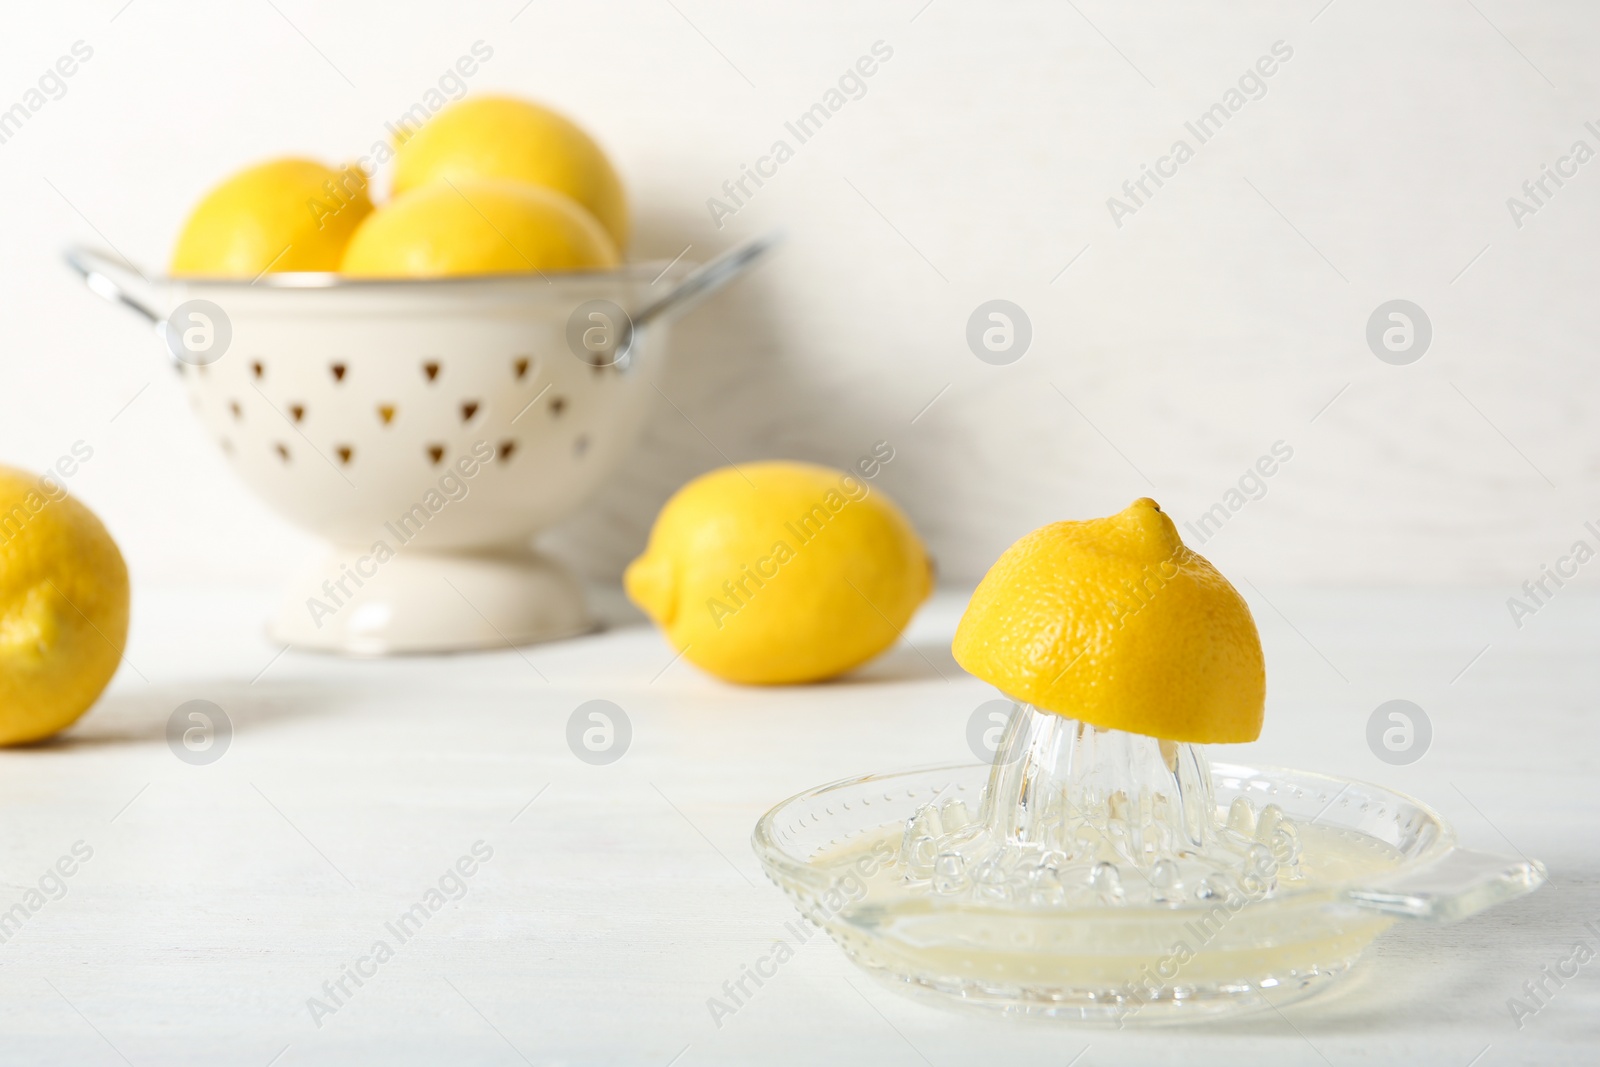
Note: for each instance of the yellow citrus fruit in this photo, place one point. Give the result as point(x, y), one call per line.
point(503, 137)
point(1117, 623)
point(63, 607)
point(477, 227)
point(777, 572)
point(286, 214)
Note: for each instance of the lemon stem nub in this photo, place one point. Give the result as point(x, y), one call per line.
point(648, 581)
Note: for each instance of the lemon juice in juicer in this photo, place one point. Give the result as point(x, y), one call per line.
point(1101, 868)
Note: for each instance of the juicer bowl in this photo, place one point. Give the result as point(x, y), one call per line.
point(1117, 965)
point(427, 429)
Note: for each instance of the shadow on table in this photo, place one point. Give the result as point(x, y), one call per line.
point(906, 661)
point(1424, 977)
point(141, 716)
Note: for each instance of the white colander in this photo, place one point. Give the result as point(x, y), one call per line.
point(427, 428)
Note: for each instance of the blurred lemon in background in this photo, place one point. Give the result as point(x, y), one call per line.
point(1117, 623)
point(63, 608)
point(780, 572)
point(477, 227)
point(503, 137)
point(283, 215)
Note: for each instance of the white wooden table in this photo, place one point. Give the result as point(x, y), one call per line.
point(220, 898)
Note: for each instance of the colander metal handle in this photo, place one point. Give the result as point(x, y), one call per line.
point(707, 278)
point(110, 277)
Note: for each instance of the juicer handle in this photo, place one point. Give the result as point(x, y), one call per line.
point(707, 279)
point(111, 278)
point(1461, 883)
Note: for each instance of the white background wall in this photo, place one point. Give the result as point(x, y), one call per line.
point(1177, 349)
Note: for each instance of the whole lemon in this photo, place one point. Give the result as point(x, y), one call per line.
point(779, 572)
point(503, 137)
point(63, 607)
point(477, 227)
point(283, 215)
point(1117, 623)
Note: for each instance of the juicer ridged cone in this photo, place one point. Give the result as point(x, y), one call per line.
point(1079, 815)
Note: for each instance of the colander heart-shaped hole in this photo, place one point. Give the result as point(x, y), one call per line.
point(338, 371)
point(386, 413)
point(557, 405)
point(436, 453)
point(297, 412)
point(345, 452)
point(238, 412)
point(469, 408)
point(431, 370)
point(257, 369)
point(282, 450)
point(520, 366)
point(507, 447)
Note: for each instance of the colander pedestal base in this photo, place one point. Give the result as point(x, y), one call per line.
point(414, 601)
